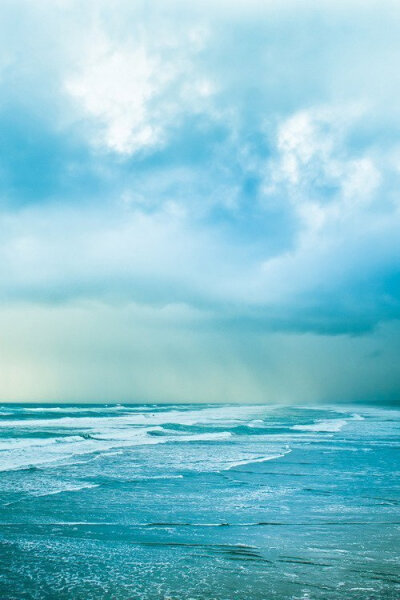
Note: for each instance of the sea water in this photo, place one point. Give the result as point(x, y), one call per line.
point(199, 502)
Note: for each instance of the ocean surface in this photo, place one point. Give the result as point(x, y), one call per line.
point(199, 502)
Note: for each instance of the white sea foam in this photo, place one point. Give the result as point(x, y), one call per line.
point(202, 437)
point(45, 409)
point(256, 423)
point(328, 425)
point(357, 417)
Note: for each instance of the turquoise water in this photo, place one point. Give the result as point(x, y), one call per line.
point(199, 502)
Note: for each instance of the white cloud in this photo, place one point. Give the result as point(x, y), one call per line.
point(301, 141)
point(133, 90)
point(115, 87)
point(322, 178)
point(361, 179)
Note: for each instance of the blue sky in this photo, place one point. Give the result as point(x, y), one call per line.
point(200, 201)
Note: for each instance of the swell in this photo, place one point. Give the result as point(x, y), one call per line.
point(18, 453)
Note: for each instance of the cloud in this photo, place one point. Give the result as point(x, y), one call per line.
point(115, 88)
point(134, 91)
point(241, 161)
point(317, 169)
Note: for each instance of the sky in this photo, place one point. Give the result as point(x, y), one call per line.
point(200, 201)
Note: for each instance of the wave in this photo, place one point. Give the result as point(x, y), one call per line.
point(328, 425)
point(260, 459)
point(32, 443)
point(66, 488)
point(256, 423)
point(30, 452)
point(35, 440)
point(357, 417)
point(222, 415)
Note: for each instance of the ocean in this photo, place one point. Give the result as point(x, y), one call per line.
point(199, 502)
